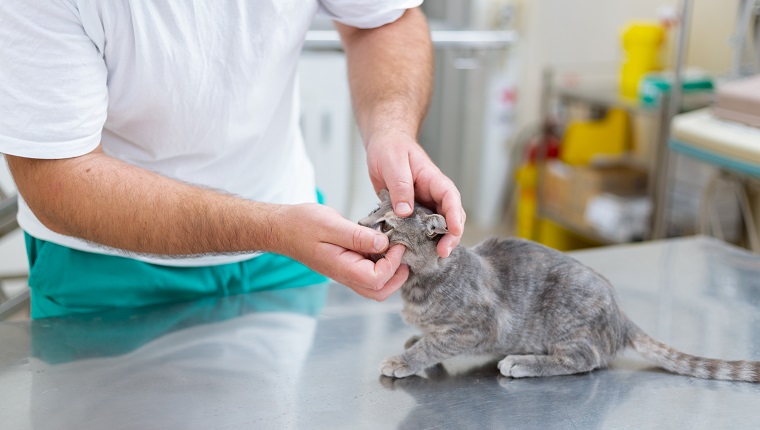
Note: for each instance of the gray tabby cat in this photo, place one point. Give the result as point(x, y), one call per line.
point(545, 312)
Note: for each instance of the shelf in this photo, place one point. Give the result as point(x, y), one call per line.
point(731, 145)
point(603, 96)
point(606, 95)
point(586, 232)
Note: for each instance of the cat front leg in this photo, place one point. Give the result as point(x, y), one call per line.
point(411, 341)
point(425, 352)
point(397, 366)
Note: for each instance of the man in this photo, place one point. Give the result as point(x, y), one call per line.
point(156, 148)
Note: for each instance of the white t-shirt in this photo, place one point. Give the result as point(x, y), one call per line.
point(200, 91)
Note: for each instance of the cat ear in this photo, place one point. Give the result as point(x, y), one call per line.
point(434, 225)
point(384, 195)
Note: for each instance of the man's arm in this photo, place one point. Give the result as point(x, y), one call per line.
point(103, 200)
point(106, 201)
point(390, 70)
point(390, 73)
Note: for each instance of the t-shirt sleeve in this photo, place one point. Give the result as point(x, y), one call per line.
point(366, 13)
point(53, 93)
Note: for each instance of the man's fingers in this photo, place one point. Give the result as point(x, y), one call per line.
point(359, 273)
point(382, 272)
point(394, 255)
point(449, 204)
point(393, 284)
point(398, 179)
point(387, 266)
point(450, 241)
point(357, 238)
point(447, 244)
point(440, 192)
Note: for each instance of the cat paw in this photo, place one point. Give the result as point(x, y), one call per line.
point(411, 341)
point(505, 366)
point(514, 367)
point(396, 367)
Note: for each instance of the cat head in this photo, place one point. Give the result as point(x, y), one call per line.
point(419, 232)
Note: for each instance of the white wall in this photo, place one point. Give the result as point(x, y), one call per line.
point(576, 32)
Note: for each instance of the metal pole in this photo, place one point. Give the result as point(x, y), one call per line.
point(745, 16)
point(542, 152)
point(662, 175)
point(11, 306)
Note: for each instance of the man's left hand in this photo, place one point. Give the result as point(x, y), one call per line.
point(397, 163)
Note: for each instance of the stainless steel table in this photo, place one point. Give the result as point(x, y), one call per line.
point(265, 361)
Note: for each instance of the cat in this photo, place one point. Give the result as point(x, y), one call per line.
point(544, 312)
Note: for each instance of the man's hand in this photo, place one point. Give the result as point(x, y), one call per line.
point(87, 196)
point(390, 71)
point(321, 238)
point(397, 163)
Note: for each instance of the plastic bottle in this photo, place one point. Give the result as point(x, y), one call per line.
point(642, 43)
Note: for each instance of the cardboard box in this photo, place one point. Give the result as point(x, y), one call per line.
point(569, 189)
point(559, 192)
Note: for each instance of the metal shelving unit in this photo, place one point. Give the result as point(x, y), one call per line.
point(607, 97)
point(9, 305)
point(600, 97)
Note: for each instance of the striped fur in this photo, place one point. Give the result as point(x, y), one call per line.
point(544, 312)
point(678, 362)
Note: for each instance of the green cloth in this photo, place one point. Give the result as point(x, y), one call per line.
point(66, 281)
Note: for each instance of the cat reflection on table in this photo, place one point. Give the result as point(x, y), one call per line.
point(585, 401)
point(544, 312)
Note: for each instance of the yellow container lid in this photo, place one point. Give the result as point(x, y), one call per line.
point(643, 33)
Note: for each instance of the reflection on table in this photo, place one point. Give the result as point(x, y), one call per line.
point(264, 360)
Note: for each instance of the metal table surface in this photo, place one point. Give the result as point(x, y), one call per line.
point(265, 360)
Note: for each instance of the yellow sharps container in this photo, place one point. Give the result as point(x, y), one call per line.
point(642, 43)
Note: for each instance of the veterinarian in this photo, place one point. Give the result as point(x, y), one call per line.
point(156, 147)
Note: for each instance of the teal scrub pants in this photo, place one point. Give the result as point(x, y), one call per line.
point(66, 281)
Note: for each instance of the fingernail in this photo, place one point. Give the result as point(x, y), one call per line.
point(403, 208)
point(379, 243)
point(448, 251)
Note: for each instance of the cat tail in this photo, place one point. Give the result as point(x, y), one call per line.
point(676, 361)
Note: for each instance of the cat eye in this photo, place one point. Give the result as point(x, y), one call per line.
point(385, 227)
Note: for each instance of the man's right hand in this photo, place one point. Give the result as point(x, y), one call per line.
point(322, 239)
point(106, 201)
